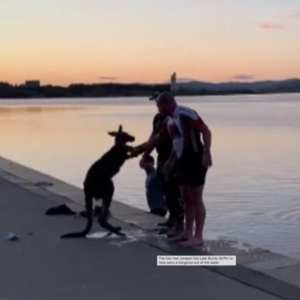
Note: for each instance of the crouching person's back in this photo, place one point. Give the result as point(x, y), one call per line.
point(154, 192)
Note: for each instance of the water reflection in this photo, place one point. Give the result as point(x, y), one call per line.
point(252, 191)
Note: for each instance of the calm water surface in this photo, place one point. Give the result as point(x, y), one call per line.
point(253, 189)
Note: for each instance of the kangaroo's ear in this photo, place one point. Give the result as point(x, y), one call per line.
point(112, 133)
point(120, 128)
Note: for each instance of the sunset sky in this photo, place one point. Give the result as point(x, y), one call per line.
point(89, 41)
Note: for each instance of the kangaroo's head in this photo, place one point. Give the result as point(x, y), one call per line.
point(121, 137)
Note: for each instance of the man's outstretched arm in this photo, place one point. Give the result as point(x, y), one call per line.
point(150, 149)
point(152, 142)
point(146, 147)
point(155, 121)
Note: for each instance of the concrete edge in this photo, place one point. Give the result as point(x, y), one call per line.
point(240, 273)
point(27, 177)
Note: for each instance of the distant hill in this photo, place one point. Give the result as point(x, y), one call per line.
point(288, 85)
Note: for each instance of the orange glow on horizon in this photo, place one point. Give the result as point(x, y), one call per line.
point(58, 44)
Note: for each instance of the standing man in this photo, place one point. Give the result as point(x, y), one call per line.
point(169, 184)
point(193, 158)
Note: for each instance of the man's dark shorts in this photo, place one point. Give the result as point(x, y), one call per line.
point(190, 171)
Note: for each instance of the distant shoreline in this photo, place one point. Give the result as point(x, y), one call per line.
point(114, 90)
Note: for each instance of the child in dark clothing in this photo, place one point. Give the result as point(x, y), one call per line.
point(154, 192)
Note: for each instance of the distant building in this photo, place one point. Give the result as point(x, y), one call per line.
point(173, 82)
point(32, 83)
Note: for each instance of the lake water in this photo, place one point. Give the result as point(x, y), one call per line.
point(253, 189)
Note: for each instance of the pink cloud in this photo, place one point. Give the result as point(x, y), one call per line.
point(267, 25)
point(243, 77)
point(295, 16)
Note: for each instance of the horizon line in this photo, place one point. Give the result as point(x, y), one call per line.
point(154, 83)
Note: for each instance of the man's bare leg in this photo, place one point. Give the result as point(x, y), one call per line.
point(196, 196)
point(189, 212)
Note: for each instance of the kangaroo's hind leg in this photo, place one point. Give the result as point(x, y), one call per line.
point(106, 202)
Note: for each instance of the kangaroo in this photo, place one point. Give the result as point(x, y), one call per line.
point(98, 183)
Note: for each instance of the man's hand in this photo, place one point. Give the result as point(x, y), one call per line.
point(152, 142)
point(136, 151)
point(206, 159)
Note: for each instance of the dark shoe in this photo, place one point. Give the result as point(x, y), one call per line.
point(176, 230)
point(169, 223)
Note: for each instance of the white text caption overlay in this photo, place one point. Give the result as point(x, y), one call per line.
point(189, 260)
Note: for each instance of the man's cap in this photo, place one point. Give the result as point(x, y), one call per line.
point(154, 96)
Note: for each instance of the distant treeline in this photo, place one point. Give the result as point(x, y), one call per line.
point(9, 91)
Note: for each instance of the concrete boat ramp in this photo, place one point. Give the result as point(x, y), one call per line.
point(39, 265)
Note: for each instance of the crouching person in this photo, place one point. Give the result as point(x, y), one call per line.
point(154, 193)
